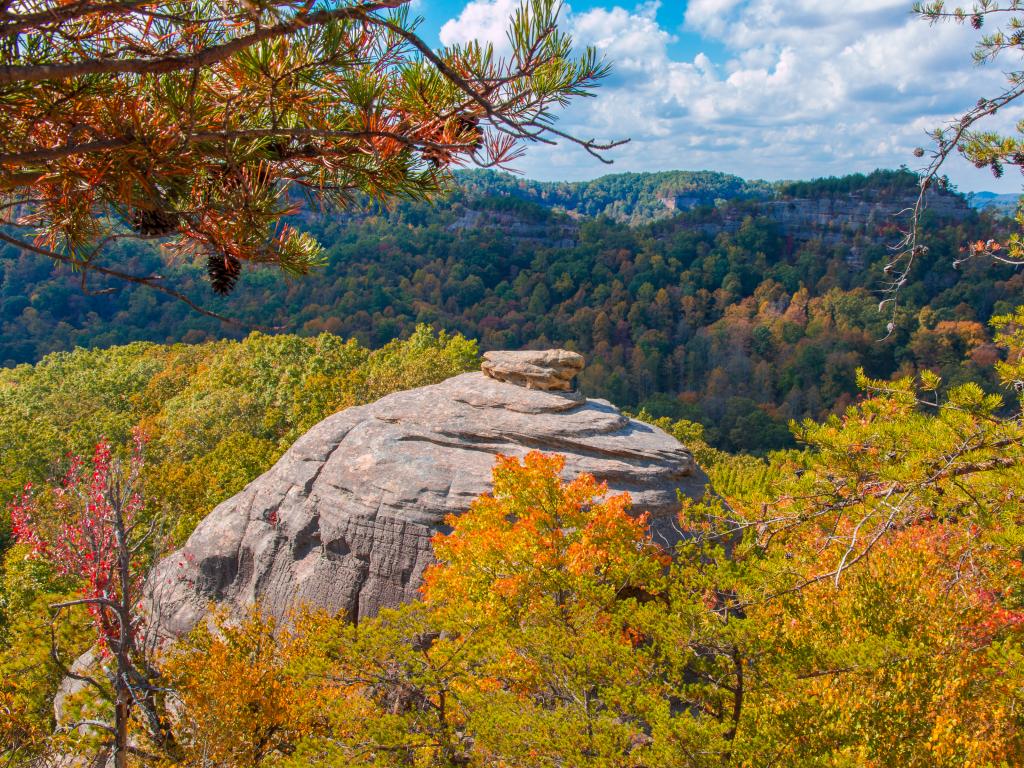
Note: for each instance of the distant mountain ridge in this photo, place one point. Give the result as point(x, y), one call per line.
point(1005, 204)
point(642, 198)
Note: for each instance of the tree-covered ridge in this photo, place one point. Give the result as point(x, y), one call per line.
point(880, 183)
point(725, 315)
point(629, 197)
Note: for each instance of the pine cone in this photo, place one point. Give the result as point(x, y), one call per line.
point(224, 271)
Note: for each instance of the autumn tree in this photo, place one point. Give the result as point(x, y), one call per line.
point(203, 125)
point(523, 651)
point(241, 695)
point(874, 580)
point(548, 579)
point(95, 533)
point(860, 602)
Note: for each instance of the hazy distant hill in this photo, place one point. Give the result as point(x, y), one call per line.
point(1005, 204)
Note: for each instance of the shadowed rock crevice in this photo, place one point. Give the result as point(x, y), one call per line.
point(344, 520)
point(307, 540)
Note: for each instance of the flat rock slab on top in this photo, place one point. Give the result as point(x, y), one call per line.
point(548, 369)
point(344, 520)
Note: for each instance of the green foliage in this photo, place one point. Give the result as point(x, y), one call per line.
point(1010, 334)
point(216, 414)
point(711, 315)
point(28, 675)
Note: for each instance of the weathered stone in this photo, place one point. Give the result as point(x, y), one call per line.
point(547, 369)
point(344, 520)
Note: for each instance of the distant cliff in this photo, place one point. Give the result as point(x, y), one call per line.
point(833, 210)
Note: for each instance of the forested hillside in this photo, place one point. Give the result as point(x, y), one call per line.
point(628, 197)
point(216, 414)
point(870, 612)
point(740, 314)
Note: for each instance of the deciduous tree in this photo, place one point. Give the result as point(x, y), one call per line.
point(96, 534)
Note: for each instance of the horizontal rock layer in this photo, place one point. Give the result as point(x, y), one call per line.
point(343, 521)
point(550, 369)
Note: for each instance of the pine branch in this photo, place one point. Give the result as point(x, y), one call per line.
point(34, 73)
point(149, 281)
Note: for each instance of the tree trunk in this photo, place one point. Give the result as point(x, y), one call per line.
point(121, 714)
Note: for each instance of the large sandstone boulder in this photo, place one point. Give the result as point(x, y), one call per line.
point(343, 521)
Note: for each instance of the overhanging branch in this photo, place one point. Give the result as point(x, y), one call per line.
point(34, 73)
point(149, 281)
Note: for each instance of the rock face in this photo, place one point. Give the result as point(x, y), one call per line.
point(343, 521)
point(549, 369)
point(836, 219)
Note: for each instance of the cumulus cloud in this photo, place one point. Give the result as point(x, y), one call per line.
point(483, 20)
point(801, 90)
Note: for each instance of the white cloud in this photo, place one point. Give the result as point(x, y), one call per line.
point(802, 90)
point(710, 16)
point(483, 20)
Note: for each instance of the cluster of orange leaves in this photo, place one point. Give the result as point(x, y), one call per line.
point(534, 530)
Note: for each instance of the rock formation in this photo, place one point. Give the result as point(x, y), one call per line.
point(344, 520)
point(549, 369)
point(837, 219)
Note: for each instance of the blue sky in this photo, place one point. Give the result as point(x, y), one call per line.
point(687, 44)
point(761, 88)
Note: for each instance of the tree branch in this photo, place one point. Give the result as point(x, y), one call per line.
point(149, 281)
point(34, 73)
point(100, 145)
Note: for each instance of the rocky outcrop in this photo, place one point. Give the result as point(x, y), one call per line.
point(554, 232)
point(344, 520)
point(837, 219)
point(548, 369)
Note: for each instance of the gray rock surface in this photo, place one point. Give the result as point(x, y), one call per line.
point(548, 369)
point(343, 521)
